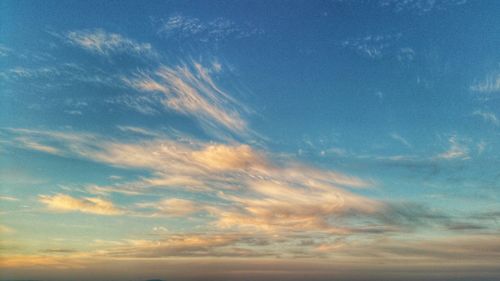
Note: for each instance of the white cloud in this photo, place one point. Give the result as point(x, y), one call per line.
point(481, 146)
point(191, 90)
point(278, 205)
point(174, 207)
point(264, 191)
point(372, 46)
point(400, 139)
point(92, 205)
point(406, 54)
point(456, 150)
point(181, 27)
point(419, 7)
point(489, 85)
point(8, 198)
point(105, 43)
point(4, 51)
point(34, 145)
point(487, 117)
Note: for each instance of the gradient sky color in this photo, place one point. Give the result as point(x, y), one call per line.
point(250, 140)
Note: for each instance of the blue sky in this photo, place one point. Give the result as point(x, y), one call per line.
point(197, 138)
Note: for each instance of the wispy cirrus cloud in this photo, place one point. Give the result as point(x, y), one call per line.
point(489, 117)
point(377, 46)
point(264, 192)
point(43, 77)
point(457, 150)
point(172, 207)
point(8, 198)
point(274, 206)
point(4, 51)
point(400, 139)
point(419, 7)
point(34, 145)
point(258, 191)
point(105, 43)
point(179, 27)
point(187, 245)
point(190, 89)
point(488, 85)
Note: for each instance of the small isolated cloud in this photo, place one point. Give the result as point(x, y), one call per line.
point(489, 117)
point(490, 84)
point(406, 54)
point(4, 51)
point(179, 27)
point(91, 205)
point(159, 230)
point(400, 139)
point(372, 46)
point(481, 146)
point(419, 7)
point(105, 43)
point(456, 150)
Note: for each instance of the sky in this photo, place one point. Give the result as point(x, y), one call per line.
point(250, 140)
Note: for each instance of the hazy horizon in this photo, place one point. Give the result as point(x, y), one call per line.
point(250, 140)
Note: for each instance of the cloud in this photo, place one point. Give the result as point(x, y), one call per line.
point(487, 86)
point(5, 229)
point(174, 207)
point(264, 192)
point(466, 227)
point(105, 43)
point(456, 150)
point(147, 105)
point(8, 198)
point(251, 189)
point(138, 131)
point(4, 51)
point(40, 261)
point(489, 117)
point(292, 206)
point(225, 158)
point(406, 54)
point(191, 90)
point(184, 28)
point(186, 245)
point(463, 249)
point(373, 46)
point(419, 7)
point(58, 251)
point(58, 74)
point(91, 205)
point(31, 144)
point(400, 139)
